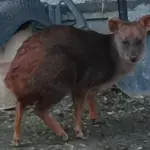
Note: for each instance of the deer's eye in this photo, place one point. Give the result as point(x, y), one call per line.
point(138, 42)
point(125, 42)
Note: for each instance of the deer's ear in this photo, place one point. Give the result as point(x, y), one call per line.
point(145, 22)
point(114, 24)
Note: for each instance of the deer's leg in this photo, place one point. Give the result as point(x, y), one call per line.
point(78, 112)
point(52, 123)
point(19, 114)
point(92, 105)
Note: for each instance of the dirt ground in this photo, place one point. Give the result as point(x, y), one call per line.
point(124, 125)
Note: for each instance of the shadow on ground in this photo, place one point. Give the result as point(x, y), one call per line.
point(124, 125)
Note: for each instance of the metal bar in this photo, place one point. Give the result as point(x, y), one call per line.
point(122, 9)
point(79, 19)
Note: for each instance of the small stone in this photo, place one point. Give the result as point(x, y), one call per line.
point(11, 119)
point(141, 101)
point(142, 108)
point(32, 148)
point(110, 113)
point(140, 97)
point(105, 98)
point(107, 147)
point(145, 141)
point(82, 145)
point(30, 110)
point(100, 144)
point(123, 147)
point(140, 148)
point(67, 96)
point(68, 146)
point(121, 112)
point(72, 146)
point(135, 110)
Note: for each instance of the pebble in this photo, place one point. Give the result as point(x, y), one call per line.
point(107, 147)
point(57, 147)
point(140, 148)
point(68, 146)
point(82, 145)
point(110, 113)
point(105, 98)
point(9, 126)
point(142, 108)
point(141, 101)
point(32, 148)
point(123, 147)
point(11, 119)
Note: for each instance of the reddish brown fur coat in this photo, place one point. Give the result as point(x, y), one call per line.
point(57, 60)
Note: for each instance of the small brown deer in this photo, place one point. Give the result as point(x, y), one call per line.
point(63, 59)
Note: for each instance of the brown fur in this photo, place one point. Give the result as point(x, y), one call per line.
point(24, 65)
point(63, 59)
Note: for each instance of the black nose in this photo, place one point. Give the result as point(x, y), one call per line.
point(133, 59)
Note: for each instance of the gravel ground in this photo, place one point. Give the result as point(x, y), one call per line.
point(124, 125)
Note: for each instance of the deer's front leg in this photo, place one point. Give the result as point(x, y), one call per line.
point(92, 105)
point(78, 112)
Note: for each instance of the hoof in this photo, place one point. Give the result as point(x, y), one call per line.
point(16, 142)
point(65, 138)
point(80, 135)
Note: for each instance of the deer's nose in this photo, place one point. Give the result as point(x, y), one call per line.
point(133, 59)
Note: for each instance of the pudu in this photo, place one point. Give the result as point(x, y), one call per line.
point(63, 59)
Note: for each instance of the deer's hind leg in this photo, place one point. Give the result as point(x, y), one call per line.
point(20, 108)
point(42, 111)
